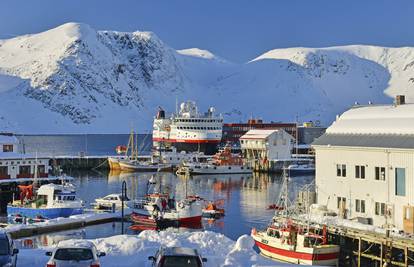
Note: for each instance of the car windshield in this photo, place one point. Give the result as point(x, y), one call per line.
point(73, 254)
point(4, 247)
point(179, 261)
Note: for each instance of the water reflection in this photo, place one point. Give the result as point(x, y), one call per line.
point(246, 198)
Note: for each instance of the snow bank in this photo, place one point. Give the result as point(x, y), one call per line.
point(130, 250)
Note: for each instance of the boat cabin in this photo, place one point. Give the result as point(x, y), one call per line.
point(51, 193)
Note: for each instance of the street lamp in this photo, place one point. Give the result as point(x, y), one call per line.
point(123, 197)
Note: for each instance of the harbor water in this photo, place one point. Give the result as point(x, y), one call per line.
point(245, 197)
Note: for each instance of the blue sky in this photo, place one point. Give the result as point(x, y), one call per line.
point(236, 30)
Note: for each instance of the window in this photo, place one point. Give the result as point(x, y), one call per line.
point(7, 148)
point(41, 169)
point(341, 170)
point(3, 171)
point(360, 172)
point(379, 208)
point(380, 173)
point(341, 202)
point(360, 205)
point(399, 181)
point(24, 170)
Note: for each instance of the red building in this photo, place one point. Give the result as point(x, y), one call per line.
point(233, 131)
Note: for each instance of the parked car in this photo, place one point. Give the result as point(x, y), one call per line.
point(8, 252)
point(177, 256)
point(74, 253)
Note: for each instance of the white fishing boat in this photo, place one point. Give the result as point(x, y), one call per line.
point(301, 168)
point(223, 162)
point(108, 201)
point(287, 241)
point(49, 201)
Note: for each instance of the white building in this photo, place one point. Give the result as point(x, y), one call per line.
point(365, 165)
point(15, 165)
point(266, 144)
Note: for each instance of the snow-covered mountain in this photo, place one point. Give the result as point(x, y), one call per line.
point(74, 79)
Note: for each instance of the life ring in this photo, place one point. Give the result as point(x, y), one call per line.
point(181, 205)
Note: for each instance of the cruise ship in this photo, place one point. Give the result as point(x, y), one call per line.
point(187, 129)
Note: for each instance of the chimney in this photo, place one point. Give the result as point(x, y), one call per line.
point(399, 100)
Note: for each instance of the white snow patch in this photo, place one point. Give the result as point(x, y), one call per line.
point(130, 250)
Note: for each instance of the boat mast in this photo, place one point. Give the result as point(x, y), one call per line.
point(35, 174)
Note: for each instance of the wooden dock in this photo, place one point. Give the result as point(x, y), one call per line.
point(367, 248)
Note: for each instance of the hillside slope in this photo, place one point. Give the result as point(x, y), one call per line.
point(73, 79)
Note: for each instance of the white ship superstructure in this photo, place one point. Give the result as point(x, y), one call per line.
point(188, 129)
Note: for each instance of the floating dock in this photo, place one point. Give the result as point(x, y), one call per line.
point(73, 222)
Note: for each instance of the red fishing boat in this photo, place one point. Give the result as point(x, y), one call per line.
point(285, 240)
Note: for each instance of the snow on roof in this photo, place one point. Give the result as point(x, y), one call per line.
point(258, 134)
point(7, 139)
point(378, 119)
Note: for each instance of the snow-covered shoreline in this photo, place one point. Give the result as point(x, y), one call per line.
point(133, 250)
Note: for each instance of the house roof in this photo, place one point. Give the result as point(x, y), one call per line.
point(366, 140)
point(258, 134)
point(375, 119)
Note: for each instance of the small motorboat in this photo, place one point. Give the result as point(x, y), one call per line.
point(158, 223)
point(112, 199)
point(212, 210)
point(301, 168)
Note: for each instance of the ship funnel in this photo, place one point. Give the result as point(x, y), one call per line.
point(160, 113)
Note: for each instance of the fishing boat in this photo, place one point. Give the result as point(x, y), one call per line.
point(142, 166)
point(49, 201)
point(126, 153)
point(162, 206)
point(285, 240)
point(223, 162)
point(157, 205)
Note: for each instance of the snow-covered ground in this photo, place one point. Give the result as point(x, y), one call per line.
point(74, 79)
point(131, 250)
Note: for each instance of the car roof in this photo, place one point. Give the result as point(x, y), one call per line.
point(75, 244)
point(179, 251)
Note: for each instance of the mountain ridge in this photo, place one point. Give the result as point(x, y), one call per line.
point(73, 79)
